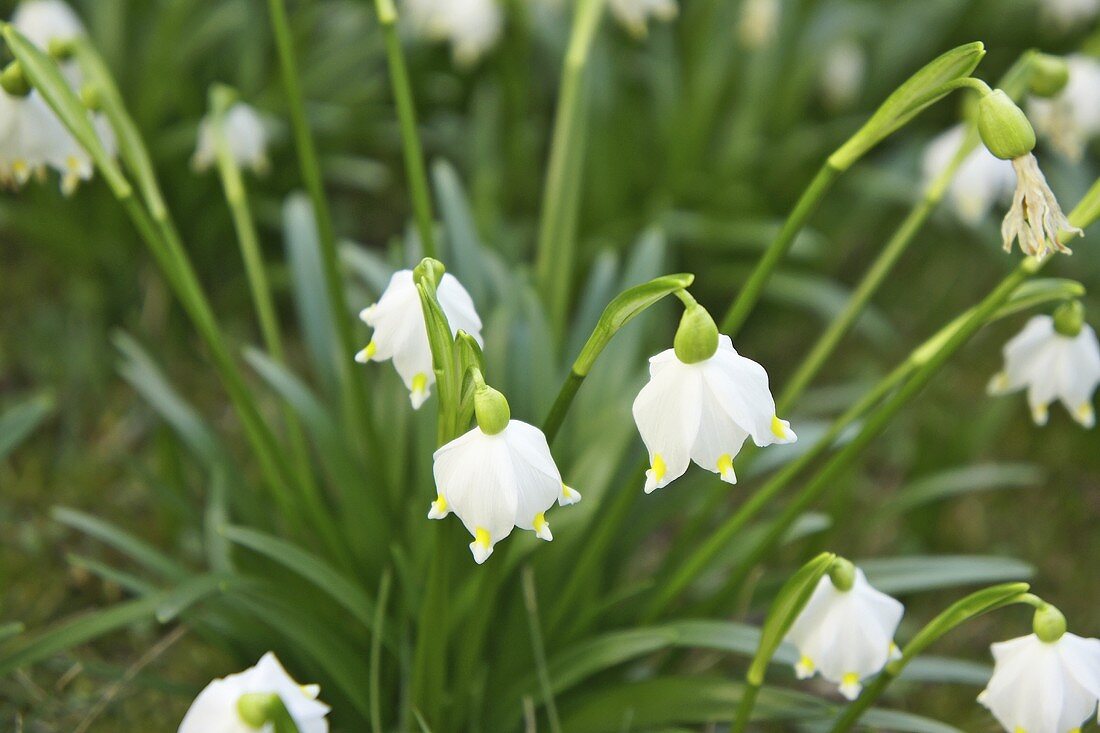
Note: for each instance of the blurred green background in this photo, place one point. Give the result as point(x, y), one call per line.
point(688, 132)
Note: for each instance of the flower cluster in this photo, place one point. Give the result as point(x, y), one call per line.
point(32, 138)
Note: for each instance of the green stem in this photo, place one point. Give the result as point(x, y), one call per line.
point(406, 115)
point(561, 405)
point(872, 280)
point(926, 364)
point(561, 196)
point(376, 654)
point(750, 293)
point(237, 197)
point(354, 394)
point(744, 708)
point(538, 647)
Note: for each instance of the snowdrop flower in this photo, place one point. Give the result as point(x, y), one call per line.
point(498, 476)
point(759, 22)
point(400, 332)
point(846, 630)
point(1045, 682)
point(702, 401)
point(1053, 358)
point(1035, 219)
point(244, 134)
point(46, 22)
point(634, 14)
point(842, 72)
point(1072, 117)
point(217, 708)
point(981, 180)
point(472, 26)
point(1065, 14)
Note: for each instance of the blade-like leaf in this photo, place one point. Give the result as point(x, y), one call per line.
point(900, 575)
point(20, 421)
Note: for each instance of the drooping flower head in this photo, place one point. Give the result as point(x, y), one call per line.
point(1045, 682)
point(702, 402)
point(981, 180)
point(216, 709)
point(400, 332)
point(1071, 118)
point(634, 15)
point(472, 27)
point(245, 135)
point(1035, 219)
point(846, 630)
point(497, 476)
point(1054, 359)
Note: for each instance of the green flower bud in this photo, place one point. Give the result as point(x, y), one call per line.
point(14, 81)
point(1069, 318)
point(61, 49)
point(843, 574)
point(1049, 74)
point(91, 97)
point(697, 337)
point(1048, 623)
point(491, 410)
point(1004, 127)
point(429, 270)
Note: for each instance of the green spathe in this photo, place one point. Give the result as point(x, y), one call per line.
point(1004, 127)
point(697, 337)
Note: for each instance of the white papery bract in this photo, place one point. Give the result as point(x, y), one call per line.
point(47, 21)
point(496, 482)
point(471, 26)
point(245, 135)
point(401, 334)
point(981, 180)
point(847, 636)
point(1052, 367)
point(634, 15)
point(1044, 687)
point(215, 709)
point(1072, 117)
point(703, 412)
point(1035, 219)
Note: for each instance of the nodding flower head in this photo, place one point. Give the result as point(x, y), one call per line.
point(245, 136)
point(1052, 360)
point(1069, 119)
point(634, 15)
point(400, 332)
point(846, 630)
point(473, 27)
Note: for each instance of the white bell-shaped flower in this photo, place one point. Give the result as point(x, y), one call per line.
point(215, 709)
point(1052, 365)
point(843, 71)
point(400, 332)
point(47, 21)
point(245, 135)
point(497, 476)
point(702, 408)
point(1045, 682)
point(1064, 15)
point(981, 180)
point(759, 22)
point(634, 15)
point(1072, 117)
point(472, 27)
point(846, 635)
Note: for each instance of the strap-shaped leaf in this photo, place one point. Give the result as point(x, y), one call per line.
point(20, 421)
point(920, 90)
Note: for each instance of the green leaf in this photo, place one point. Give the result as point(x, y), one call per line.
point(1087, 209)
point(20, 421)
point(942, 670)
point(928, 85)
point(303, 253)
point(134, 548)
point(964, 480)
point(349, 595)
point(11, 629)
point(900, 575)
point(77, 631)
point(465, 254)
point(622, 309)
point(187, 594)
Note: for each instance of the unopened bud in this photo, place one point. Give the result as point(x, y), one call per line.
point(429, 270)
point(91, 97)
point(1049, 74)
